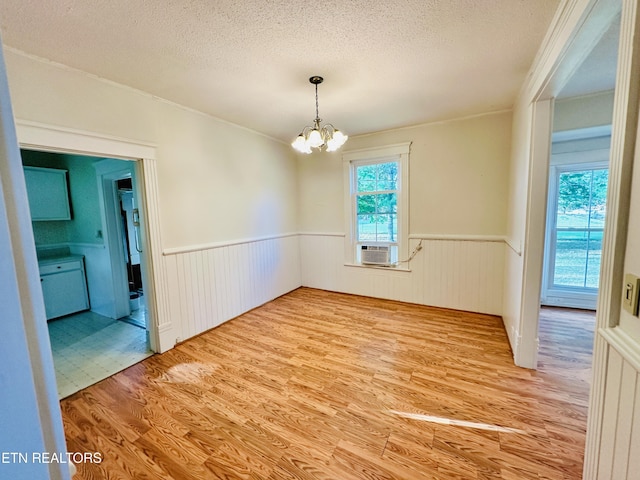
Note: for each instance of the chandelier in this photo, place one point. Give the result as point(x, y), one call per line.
point(316, 136)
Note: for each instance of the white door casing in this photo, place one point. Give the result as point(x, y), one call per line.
point(38, 136)
point(583, 22)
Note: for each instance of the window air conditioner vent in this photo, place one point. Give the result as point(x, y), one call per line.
point(375, 255)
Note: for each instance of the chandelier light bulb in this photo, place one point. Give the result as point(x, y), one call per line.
point(315, 139)
point(298, 143)
point(340, 138)
point(332, 145)
point(301, 145)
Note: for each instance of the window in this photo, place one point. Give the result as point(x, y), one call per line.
point(577, 208)
point(376, 200)
point(579, 226)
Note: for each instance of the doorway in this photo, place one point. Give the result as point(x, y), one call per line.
point(97, 337)
point(578, 175)
point(132, 245)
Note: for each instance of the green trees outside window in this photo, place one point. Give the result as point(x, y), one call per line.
point(377, 202)
point(579, 226)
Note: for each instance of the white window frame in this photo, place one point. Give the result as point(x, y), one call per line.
point(559, 295)
point(368, 156)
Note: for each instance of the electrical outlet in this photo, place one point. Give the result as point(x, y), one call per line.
point(630, 293)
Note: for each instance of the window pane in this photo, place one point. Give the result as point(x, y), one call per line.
point(387, 203)
point(366, 204)
point(366, 228)
point(377, 177)
point(593, 260)
point(366, 176)
point(387, 227)
point(378, 228)
point(387, 176)
point(574, 197)
point(581, 207)
point(599, 198)
point(571, 259)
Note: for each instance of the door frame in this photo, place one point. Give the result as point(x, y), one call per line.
point(587, 21)
point(584, 23)
point(37, 136)
point(109, 171)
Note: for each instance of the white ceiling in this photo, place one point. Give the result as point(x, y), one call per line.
point(386, 63)
point(598, 71)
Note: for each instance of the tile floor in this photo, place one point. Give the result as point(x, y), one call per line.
point(88, 347)
point(137, 318)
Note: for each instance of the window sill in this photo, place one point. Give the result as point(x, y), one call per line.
point(375, 267)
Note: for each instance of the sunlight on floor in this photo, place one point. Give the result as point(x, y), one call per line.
point(456, 423)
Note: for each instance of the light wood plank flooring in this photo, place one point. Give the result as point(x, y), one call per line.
point(319, 385)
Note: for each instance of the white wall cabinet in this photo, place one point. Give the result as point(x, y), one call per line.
point(64, 286)
point(48, 193)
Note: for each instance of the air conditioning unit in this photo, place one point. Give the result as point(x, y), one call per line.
point(375, 255)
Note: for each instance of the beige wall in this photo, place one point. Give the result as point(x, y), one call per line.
point(458, 177)
point(217, 181)
point(516, 220)
point(583, 112)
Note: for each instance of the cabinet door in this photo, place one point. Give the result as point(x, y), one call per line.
point(48, 193)
point(64, 293)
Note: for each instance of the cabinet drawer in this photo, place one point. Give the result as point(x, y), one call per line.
point(60, 267)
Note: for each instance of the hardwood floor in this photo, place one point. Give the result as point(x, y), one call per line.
point(319, 385)
point(566, 343)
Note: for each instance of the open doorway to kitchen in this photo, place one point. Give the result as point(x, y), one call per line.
point(97, 325)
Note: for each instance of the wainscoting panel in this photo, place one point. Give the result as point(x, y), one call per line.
point(462, 274)
point(620, 439)
point(321, 259)
point(512, 295)
point(457, 273)
point(212, 284)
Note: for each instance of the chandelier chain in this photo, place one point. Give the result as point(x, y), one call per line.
point(317, 114)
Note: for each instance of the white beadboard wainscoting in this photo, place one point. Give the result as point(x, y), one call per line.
point(512, 295)
point(210, 284)
point(618, 457)
point(457, 272)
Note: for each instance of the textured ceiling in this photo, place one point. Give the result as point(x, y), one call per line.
point(386, 63)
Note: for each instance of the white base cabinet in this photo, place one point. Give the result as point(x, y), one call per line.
point(64, 286)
